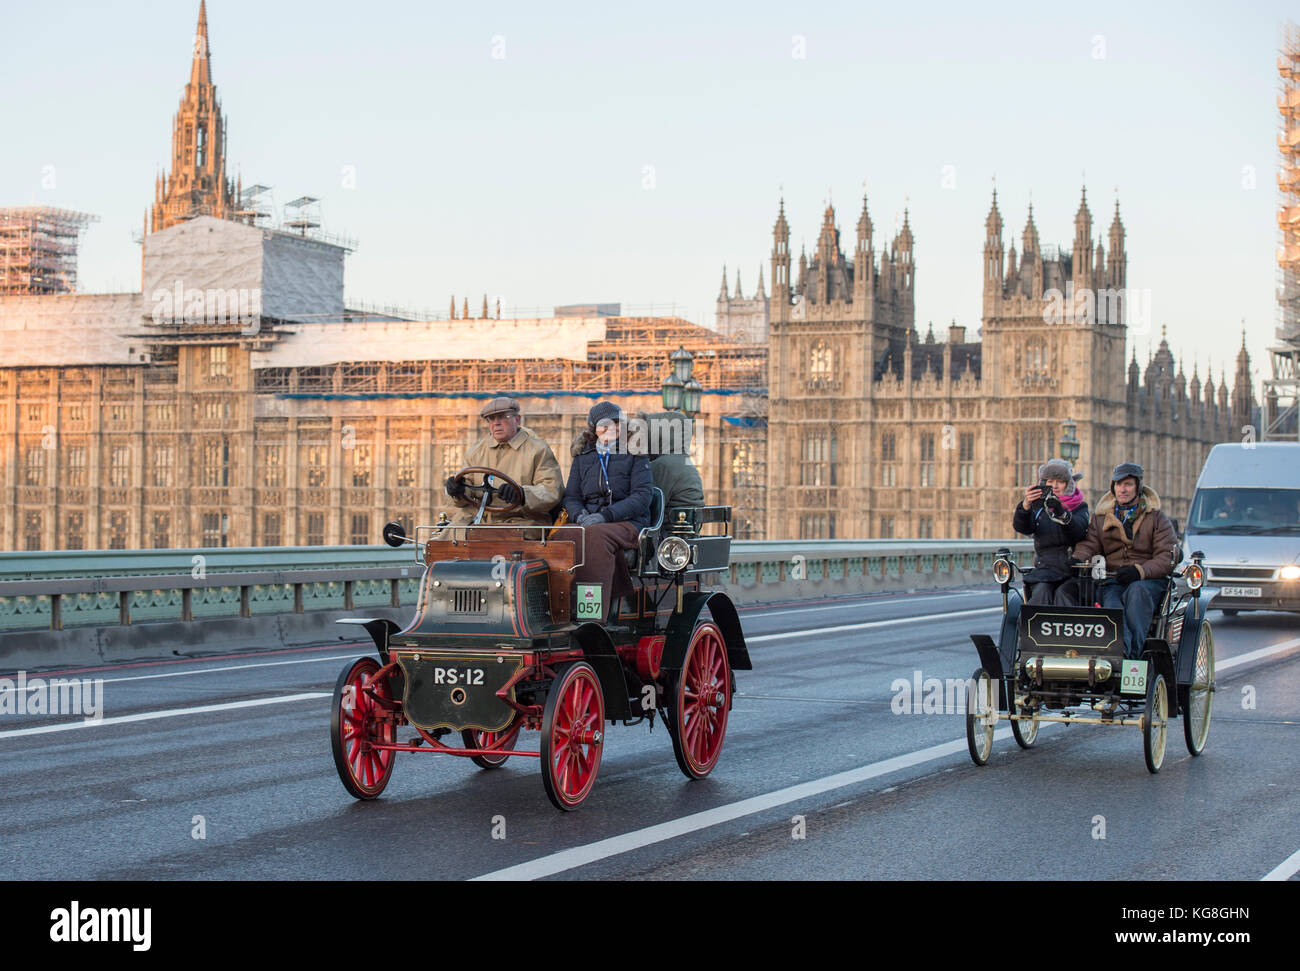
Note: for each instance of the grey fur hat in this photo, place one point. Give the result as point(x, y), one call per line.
point(1126, 469)
point(602, 411)
point(1059, 469)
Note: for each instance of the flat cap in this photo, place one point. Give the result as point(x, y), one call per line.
point(498, 405)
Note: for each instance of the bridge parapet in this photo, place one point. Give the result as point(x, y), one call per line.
point(110, 604)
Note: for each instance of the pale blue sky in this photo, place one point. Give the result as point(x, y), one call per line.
point(525, 175)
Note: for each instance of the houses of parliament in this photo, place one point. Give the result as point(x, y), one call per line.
point(235, 400)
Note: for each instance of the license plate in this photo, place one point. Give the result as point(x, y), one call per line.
point(1133, 678)
point(1240, 592)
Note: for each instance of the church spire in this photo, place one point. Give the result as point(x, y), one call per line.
point(201, 68)
point(197, 183)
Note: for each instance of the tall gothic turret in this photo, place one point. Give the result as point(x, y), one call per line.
point(1081, 271)
point(864, 260)
point(780, 266)
point(197, 184)
point(993, 250)
point(1243, 397)
point(1117, 266)
point(1031, 261)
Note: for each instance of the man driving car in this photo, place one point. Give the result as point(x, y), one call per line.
point(517, 452)
point(1137, 540)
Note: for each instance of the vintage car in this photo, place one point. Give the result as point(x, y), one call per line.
point(1051, 660)
point(503, 642)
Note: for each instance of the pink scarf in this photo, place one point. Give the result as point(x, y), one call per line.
point(1073, 501)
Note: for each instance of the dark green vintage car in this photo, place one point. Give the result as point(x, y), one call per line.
point(500, 643)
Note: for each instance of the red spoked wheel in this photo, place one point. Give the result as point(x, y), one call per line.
point(700, 702)
point(473, 738)
point(573, 736)
point(356, 722)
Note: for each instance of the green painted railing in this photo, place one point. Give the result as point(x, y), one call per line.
point(86, 588)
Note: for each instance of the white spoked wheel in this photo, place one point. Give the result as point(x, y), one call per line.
point(1200, 694)
point(1155, 723)
point(1025, 729)
point(981, 716)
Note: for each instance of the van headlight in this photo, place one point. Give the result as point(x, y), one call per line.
point(1290, 573)
point(673, 554)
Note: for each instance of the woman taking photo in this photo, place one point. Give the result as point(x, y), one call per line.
point(608, 493)
point(1056, 518)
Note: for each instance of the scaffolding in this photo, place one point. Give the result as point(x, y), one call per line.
point(632, 357)
point(38, 249)
point(1282, 391)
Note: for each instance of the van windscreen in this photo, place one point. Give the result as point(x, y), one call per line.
point(1245, 511)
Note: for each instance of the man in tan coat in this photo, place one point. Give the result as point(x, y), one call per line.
point(1137, 540)
point(523, 456)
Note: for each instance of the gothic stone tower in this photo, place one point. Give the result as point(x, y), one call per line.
point(197, 184)
point(829, 334)
point(1053, 336)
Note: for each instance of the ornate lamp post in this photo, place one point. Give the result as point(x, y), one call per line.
point(1069, 443)
point(681, 392)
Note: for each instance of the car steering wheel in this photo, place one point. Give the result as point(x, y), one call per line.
point(492, 490)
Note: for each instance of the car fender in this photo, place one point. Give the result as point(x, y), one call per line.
point(1009, 637)
point(682, 624)
point(379, 629)
point(598, 651)
point(1185, 659)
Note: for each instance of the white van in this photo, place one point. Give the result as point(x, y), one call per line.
point(1245, 518)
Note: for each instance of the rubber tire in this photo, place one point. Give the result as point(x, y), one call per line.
point(1155, 738)
point(472, 738)
point(707, 648)
point(1196, 729)
point(979, 737)
point(571, 683)
point(1025, 737)
point(362, 667)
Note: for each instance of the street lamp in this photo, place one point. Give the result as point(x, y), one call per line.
point(1069, 443)
point(681, 392)
point(672, 391)
point(691, 397)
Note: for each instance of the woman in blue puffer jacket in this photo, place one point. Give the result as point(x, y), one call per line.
point(608, 493)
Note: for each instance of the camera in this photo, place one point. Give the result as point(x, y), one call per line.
point(1045, 489)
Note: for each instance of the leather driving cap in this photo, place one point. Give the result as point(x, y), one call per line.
point(498, 405)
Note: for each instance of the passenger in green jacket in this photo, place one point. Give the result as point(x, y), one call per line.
point(668, 443)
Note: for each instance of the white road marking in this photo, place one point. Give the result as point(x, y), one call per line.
point(865, 625)
point(167, 713)
point(582, 855)
point(877, 599)
point(1256, 655)
point(1284, 870)
point(183, 674)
